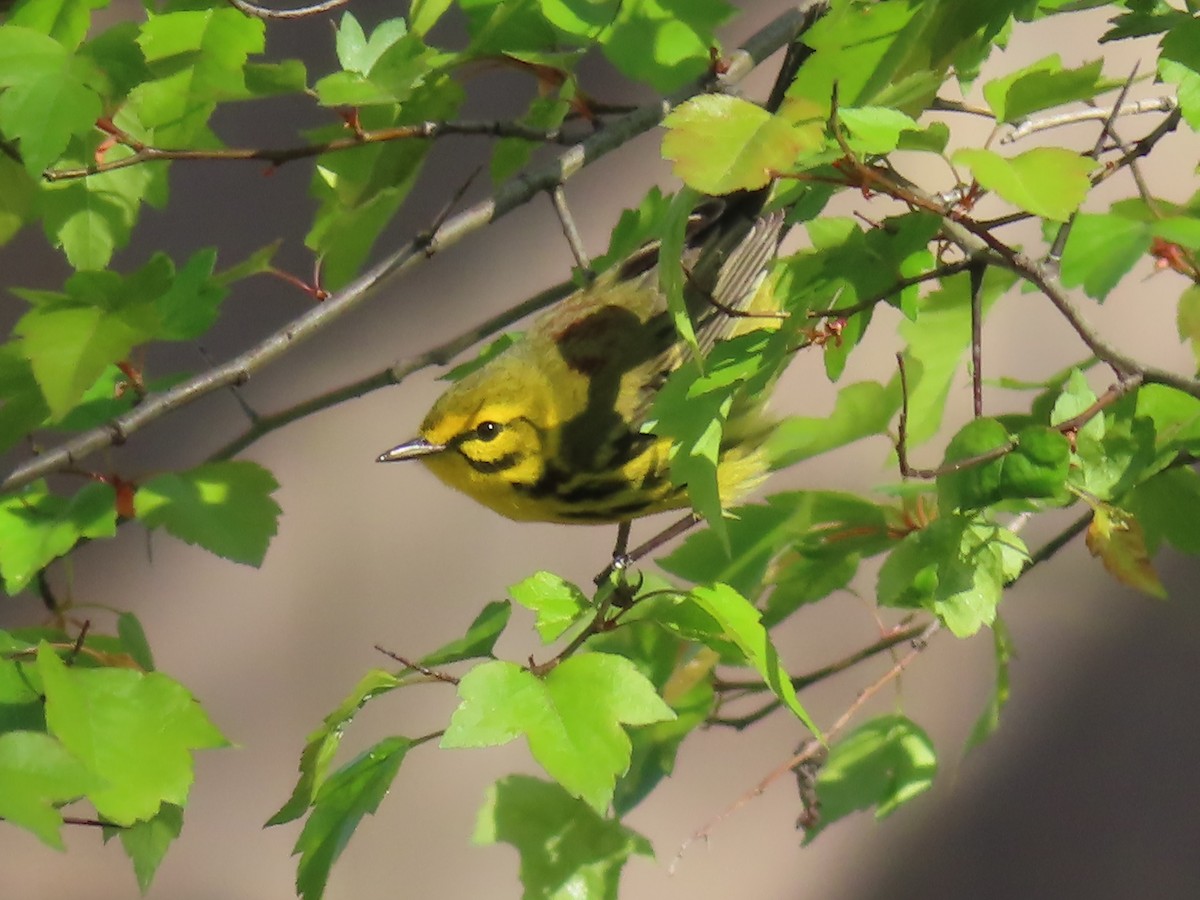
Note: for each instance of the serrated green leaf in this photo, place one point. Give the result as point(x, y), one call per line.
point(424, 14)
point(37, 774)
point(272, 79)
point(998, 466)
point(147, 842)
point(1187, 320)
point(37, 527)
point(224, 507)
point(1168, 506)
point(134, 731)
point(565, 848)
point(664, 43)
point(66, 21)
point(188, 308)
point(742, 624)
point(1101, 249)
point(875, 129)
point(884, 763)
point(572, 718)
point(989, 719)
point(322, 744)
point(90, 218)
point(45, 112)
point(1042, 85)
point(198, 57)
point(721, 144)
point(480, 639)
point(133, 639)
point(861, 409)
point(70, 344)
point(22, 407)
point(1115, 536)
point(557, 602)
point(1049, 182)
point(956, 568)
point(354, 791)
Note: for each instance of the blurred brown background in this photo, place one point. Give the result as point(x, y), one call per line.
point(1088, 790)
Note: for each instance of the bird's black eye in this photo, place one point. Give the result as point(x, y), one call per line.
point(487, 431)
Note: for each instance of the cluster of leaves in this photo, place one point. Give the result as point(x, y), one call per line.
point(90, 122)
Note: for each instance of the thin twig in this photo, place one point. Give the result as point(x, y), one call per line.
point(278, 156)
point(558, 197)
point(1029, 126)
point(812, 747)
point(432, 674)
point(260, 12)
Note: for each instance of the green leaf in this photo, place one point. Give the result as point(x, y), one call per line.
point(224, 507)
point(358, 54)
point(480, 639)
point(188, 307)
point(681, 674)
point(354, 791)
point(321, 746)
point(146, 842)
point(1187, 320)
point(863, 52)
point(424, 14)
point(956, 568)
point(134, 731)
point(742, 624)
point(22, 408)
point(566, 849)
point(557, 602)
point(861, 410)
point(721, 144)
point(273, 79)
point(37, 527)
point(1049, 182)
point(989, 719)
point(359, 190)
point(66, 21)
point(1168, 508)
point(756, 534)
point(664, 43)
point(1042, 85)
point(999, 466)
point(937, 342)
point(69, 345)
point(876, 129)
point(198, 58)
point(37, 774)
point(89, 218)
point(1101, 249)
point(572, 718)
point(133, 639)
point(885, 763)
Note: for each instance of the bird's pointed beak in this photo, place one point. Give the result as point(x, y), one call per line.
point(414, 449)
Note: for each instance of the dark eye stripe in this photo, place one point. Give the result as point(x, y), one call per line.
point(490, 466)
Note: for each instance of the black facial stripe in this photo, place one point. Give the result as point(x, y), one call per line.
point(490, 466)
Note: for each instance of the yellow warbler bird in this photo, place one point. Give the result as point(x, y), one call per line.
point(550, 429)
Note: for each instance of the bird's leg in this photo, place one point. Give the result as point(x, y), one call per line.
point(623, 558)
point(620, 558)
